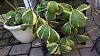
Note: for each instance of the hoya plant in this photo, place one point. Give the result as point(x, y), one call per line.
point(59, 27)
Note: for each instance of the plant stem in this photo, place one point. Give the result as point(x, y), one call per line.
point(10, 4)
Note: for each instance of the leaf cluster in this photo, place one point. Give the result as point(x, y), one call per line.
point(64, 18)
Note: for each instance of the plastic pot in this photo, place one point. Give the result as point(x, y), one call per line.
point(23, 36)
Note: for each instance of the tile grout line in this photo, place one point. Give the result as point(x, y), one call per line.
point(79, 52)
point(30, 50)
point(10, 50)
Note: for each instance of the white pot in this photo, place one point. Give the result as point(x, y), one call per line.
point(23, 36)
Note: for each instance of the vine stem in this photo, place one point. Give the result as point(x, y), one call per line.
point(10, 4)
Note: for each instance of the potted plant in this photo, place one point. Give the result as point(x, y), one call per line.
point(59, 25)
point(20, 22)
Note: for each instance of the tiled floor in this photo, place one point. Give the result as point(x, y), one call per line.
point(9, 46)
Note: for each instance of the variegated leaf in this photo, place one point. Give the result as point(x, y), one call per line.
point(52, 47)
point(48, 34)
point(50, 16)
point(82, 38)
point(61, 9)
point(83, 7)
point(52, 7)
point(29, 17)
point(40, 22)
point(67, 42)
point(67, 8)
point(54, 36)
point(77, 18)
point(54, 24)
point(43, 32)
point(65, 49)
point(67, 28)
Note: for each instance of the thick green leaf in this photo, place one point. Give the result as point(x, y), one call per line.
point(74, 31)
point(18, 19)
point(40, 22)
point(52, 7)
point(29, 17)
point(67, 8)
point(54, 24)
point(83, 7)
point(52, 47)
point(65, 49)
point(43, 32)
point(10, 14)
point(50, 16)
point(57, 51)
point(67, 42)
point(10, 22)
point(82, 38)
point(64, 17)
point(61, 9)
point(54, 36)
point(48, 34)
point(77, 18)
point(67, 28)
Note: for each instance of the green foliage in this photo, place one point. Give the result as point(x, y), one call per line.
point(40, 22)
point(43, 32)
point(67, 42)
point(20, 16)
point(61, 17)
point(83, 7)
point(67, 28)
point(82, 38)
point(67, 8)
point(77, 18)
point(54, 24)
point(65, 49)
point(52, 47)
point(48, 34)
point(29, 17)
point(52, 7)
point(50, 16)
point(64, 46)
point(40, 8)
point(10, 14)
point(54, 36)
point(60, 10)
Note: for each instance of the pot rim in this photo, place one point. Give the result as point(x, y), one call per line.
point(18, 27)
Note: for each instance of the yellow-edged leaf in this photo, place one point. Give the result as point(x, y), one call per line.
point(52, 47)
point(83, 7)
point(52, 7)
point(54, 36)
point(77, 18)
